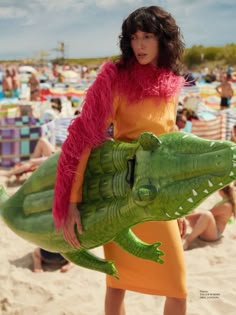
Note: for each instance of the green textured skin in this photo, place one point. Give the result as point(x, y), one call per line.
point(173, 174)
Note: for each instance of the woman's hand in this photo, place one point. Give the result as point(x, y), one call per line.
point(182, 226)
point(72, 219)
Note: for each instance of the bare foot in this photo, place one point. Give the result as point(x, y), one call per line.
point(37, 261)
point(66, 267)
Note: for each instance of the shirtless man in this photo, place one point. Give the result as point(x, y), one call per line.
point(7, 84)
point(226, 92)
point(34, 85)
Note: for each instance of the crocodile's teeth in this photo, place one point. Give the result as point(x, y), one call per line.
point(210, 183)
point(212, 143)
point(168, 215)
point(190, 200)
point(220, 184)
point(177, 213)
point(194, 192)
point(206, 191)
point(231, 174)
point(180, 208)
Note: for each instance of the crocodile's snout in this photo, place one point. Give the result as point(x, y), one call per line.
point(187, 171)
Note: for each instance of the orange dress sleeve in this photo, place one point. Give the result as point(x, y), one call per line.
point(76, 190)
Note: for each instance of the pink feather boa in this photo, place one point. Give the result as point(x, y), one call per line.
point(89, 129)
point(138, 82)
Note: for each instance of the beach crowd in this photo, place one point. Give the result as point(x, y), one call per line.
point(129, 88)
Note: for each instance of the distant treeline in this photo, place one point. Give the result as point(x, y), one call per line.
point(196, 56)
point(200, 55)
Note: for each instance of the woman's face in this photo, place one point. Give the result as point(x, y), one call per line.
point(145, 47)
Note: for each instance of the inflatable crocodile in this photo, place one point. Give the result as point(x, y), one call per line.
point(153, 178)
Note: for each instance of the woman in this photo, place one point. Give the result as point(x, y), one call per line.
point(137, 93)
point(210, 225)
point(42, 151)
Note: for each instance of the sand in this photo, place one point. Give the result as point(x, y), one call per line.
point(211, 278)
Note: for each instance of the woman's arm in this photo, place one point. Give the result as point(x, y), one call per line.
point(86, 131)
point(231, 91)
point(73, 216)
point(76, 191)
point(218, 89)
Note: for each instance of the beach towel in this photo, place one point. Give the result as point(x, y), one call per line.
point(214, 129)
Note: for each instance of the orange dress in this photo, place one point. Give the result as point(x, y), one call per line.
point(157, 115)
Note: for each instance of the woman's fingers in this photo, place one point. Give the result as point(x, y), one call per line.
point(71, 238)
point(72, 219)
point(78, 223)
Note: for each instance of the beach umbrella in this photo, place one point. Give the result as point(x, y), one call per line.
point(27, 69)
point(69, 74)
point(191, 102)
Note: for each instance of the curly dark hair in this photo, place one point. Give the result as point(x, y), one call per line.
point(154, 20)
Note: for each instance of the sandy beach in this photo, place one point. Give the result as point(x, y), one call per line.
point(211, 277)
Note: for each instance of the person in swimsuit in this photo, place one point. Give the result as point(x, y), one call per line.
point(138, 92)
point(42, 151)
point(226, 92)
point(210, 225)
point(7, 86)
point(181, 121)
point(41, 256)
point(34, 85)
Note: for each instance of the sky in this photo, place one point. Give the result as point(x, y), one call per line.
point(90, 28)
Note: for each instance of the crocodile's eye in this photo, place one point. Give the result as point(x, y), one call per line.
point(149, 141)
point(145, 194)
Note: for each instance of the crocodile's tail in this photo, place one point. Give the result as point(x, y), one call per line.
point(3, 197)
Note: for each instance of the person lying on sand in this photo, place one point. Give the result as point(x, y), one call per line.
point(42, 151)
point(210, 225)
point(41, 256)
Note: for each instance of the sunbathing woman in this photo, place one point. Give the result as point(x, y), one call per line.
point(210, 225)
point(42, 151)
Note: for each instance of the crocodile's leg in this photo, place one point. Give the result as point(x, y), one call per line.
point(131, 243)
point(85, 259)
